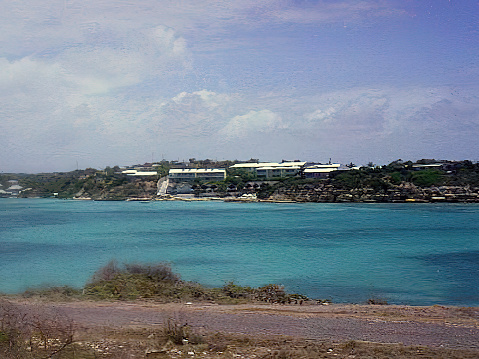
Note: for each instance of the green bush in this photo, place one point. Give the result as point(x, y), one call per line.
point(271, 293)
point(427, 178)
point(159, 282)
point(134, 281)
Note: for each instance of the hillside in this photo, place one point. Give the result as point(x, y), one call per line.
point(399, 181)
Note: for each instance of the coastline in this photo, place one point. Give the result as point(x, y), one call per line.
point(275, 199)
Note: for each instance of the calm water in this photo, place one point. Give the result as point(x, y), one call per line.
point(405, 253)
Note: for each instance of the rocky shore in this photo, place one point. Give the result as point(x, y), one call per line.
point(405, 192)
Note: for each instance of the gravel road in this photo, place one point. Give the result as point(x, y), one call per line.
point(430, 326)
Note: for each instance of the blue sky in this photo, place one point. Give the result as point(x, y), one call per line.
point(99, 83)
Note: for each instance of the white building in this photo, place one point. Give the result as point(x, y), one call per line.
point(134, 172)
point(320, 170)
point(207, 174)
point(271, 169)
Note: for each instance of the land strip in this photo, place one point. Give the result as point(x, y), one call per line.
point(437, 326)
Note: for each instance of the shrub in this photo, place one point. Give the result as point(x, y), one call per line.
point(271, 293)
point(108, 272)
point(159, 282)
point(54, 293)
point(132, 281)
point(33, 332)
point(232, 290)
point(176, 333)
point(160, 272)
point(427, 178)
point(377, 301)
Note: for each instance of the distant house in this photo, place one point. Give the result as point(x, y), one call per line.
point(139, 173)
point(422, 166)
point(189, 174)
point(15, 189)
point(320, 170)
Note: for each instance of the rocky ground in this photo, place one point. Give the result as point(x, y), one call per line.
point(130, 330)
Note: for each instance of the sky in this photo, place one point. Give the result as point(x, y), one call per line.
point(96, 83)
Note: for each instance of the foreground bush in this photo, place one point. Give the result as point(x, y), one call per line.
point(33, 332)
point(134, 281)
point(159, 282)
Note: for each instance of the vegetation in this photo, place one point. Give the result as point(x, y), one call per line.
point(28, 332)
point(166, 343)
point(108, 184)
point(131, 281)
point(33, 332)
point(405, 178)
point(158, 282)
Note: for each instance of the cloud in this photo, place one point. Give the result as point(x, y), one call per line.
point(133, 57)
point(263, 121)
point(325, 12)
point(110, 82)
point(324, 116)
point(45, 26)
point(207, 98)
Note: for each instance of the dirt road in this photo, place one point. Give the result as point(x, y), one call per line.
point(430, 326)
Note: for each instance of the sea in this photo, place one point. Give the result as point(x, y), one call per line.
point(401, 253)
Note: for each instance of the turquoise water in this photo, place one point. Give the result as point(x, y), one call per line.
point(417, 254)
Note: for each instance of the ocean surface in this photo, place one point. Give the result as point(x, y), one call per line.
point(417, 254)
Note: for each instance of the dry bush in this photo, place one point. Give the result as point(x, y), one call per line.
point(271, 293)
point(160, 272)
point(107, 272)
point(175, 332)
point(33, 332)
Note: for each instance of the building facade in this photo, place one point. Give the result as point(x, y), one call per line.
point(271, 169)
point(190, 174)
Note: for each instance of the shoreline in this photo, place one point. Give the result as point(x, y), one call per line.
point(442, 200)
point(248, 200)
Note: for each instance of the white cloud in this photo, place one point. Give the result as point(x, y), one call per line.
point(345, 11)
point(45, 26)
point(325, 116)
point(207, 98)
point(252, 122)
point(111, 81)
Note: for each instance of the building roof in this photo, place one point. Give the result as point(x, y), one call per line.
point(328, 165)
point(280, 168)
point(252, 165)
point(419, 165)
point(197, 170)
point(318, 170)
point(268, 164)
point(144, 173)
point(139, 173)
